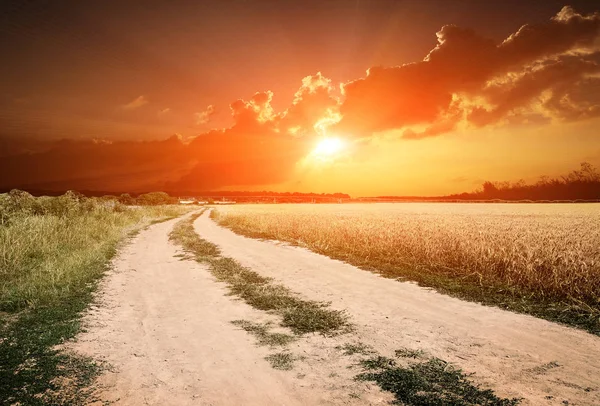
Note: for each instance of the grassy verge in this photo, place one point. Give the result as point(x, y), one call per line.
point(549, 282)
point(426, 382)
point(53, 251)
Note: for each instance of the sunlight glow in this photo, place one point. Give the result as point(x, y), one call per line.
point(329, 147)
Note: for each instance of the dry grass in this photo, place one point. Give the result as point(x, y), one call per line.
point(53, 250)
point(541, 259)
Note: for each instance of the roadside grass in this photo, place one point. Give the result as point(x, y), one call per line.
point(262, 333)
point(53, 252)
point(545, 265)
point(433, 382)
point(301, 316)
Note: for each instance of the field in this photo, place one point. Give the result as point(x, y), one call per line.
point(540, 259)
point(190, 312)
point(53, 250)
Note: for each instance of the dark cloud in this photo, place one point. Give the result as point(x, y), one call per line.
point(256, 150)
point(468, 77)
point(96, 165)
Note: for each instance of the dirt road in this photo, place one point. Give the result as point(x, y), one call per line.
point(164, 324)
point(516, 355)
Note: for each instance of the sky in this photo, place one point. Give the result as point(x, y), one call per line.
point(363, 97)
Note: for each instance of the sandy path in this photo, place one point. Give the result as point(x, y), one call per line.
point(164, 326)
point(516, 355)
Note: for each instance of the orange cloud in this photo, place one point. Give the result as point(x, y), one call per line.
point(204, 116)
point(135, 103)
point(164, 111)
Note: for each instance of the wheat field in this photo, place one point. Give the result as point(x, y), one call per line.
point(542, 259)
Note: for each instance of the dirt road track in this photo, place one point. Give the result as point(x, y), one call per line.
point(164, 325)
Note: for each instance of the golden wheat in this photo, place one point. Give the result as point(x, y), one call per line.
point(550, 251)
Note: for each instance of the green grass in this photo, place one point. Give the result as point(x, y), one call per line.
point(53, 252)
point(263, 335)
point(301, 316)
point(429, 383)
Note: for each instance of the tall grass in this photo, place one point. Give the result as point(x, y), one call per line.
point(51, 247)
point(53, 250)
point(538, 259)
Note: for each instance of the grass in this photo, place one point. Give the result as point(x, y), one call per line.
point(281, 360)
point(263, 335)
point(299, 315)
point(356, 348)
point(408, 353)
point(537, 259)
point(429, 383)
point(53, 251)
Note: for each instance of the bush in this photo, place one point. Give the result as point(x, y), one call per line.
point(126, 199)
point(155, 199)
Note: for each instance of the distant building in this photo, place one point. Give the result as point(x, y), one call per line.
point(187, 201)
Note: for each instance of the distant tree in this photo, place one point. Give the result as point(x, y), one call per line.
point(155, 199)
point(109, 198)
point(126, 198)
point(581, 184)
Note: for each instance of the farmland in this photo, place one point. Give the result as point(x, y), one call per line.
point(540, 259)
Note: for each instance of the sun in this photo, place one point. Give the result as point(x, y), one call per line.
point(328, 147)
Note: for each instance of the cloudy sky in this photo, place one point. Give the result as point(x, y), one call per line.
point(364, 97)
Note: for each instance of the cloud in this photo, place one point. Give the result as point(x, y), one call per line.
point(470, 80)
point(548, 71)
point(93, 165)
point(135, 103)
point(254, 151)
point(203, 117)
point(164, 111)
point(313, 106)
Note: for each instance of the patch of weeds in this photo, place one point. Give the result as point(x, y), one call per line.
point(281, 360)
point(429, 383)
point(310, 316)
point(262, 333)
point(378, 362)
point(32, 370)
point(408, 353)
point(358, 348)
point(301, 316)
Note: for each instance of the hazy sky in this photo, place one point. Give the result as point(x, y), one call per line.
point(196, 95)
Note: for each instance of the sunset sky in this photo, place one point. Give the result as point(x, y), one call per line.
point(363, 97)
